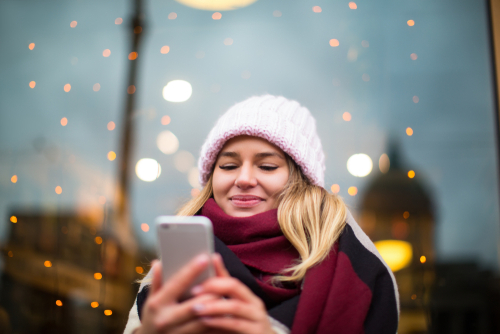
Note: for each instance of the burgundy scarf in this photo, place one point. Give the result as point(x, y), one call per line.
point(259, 243)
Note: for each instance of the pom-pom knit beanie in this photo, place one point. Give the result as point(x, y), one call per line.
point(282, 122)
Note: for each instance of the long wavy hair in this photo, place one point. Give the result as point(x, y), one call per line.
point(310, 217)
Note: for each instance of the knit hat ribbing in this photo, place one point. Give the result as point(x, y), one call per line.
point(283, 122)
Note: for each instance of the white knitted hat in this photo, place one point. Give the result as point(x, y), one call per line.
point(282, 122)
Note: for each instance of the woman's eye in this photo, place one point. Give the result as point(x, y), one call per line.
point(268, 168)
point(227, 167)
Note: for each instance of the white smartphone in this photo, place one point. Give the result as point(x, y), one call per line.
point(180, 239)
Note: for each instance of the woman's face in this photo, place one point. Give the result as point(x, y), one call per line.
point(249, 175)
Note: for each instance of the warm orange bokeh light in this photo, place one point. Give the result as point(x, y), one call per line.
point(108, 312)
point(409, 131)
point(73, 24)
point(67, 87)
point(58, 190)
point(423, 259)
point(106, 53)
point(139, 270)
point(98, 240)
point(111, 155)
point(411, 174)
point(97, 276)
point(32, 84)
point(144, 227)
point(216, 16)
point(111, 126)
point(94, 304)
point(48, 264)
point(13, 219)
point(353, 5)
point(335, 188)
point(31, 46)
point(346, 116)
point(406, 215)
point(132, 55)
point(137, 29)
point(96, 87)
point(334, 42)
point(58, 302)
point(131, 89)
point(64, 121)
point(165, 49)
point(413, 297)
point(352, 191)
point(411, 23)
point(118, 20)
point(165, 120)
point(172, 16)
point(13, 179)
point(317, 9)
point(195, 192)
point(416, 99)
point(413, 56)
point(10, 254)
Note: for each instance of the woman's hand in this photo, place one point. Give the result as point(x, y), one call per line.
point(162, 313)
point(243, 312)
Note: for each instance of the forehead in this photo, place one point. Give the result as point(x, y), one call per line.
point(250, 143)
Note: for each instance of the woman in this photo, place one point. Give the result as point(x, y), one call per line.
point(290, 257)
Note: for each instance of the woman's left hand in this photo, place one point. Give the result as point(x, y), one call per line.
point(243, 312)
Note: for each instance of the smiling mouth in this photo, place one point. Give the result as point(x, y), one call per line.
point(245, 202)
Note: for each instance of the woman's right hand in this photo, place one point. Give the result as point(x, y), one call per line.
point(162, 313)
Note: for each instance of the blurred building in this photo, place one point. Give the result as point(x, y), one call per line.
point(66, 273)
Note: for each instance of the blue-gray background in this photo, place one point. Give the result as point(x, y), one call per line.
point(452, 149)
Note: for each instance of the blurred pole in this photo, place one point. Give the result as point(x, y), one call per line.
point(123, 219)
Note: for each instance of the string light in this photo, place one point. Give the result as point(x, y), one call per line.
point(111, 155)
point(144, 227)
point(111, 126)
point(94, 304)
point(32, 84)
point(411, 23)
point(365, 44)
point(406, 215)
point(353, 5)
point(352, 191)
point(416, 99)
point(31, 46)
point(97, 276)
point(96, 87)
point(228, 41)
point(413, 297)
point(58, 190)
point(346, 116)
point(413, 56)
point(64, 121)
point(106, 53)
point(165, 49)
point(131, 89)
point(137, 30)
point(411, 174)
point(13, 179)
point(172, 16)
point(409, 131)
point(334, 42)
point(118, 20)
point(132, 55)
point(108, 312)
point(59, 303)
point(277, 13)
point(165, 120)
point(139, 270)
point(47, 264)
point(67, 87)
point(216, 16)
point(317, 9)
point(13, 219)
point(423, 259)
point(73, 24)
point(335, 188)
point(10, 254)
point(98, 240)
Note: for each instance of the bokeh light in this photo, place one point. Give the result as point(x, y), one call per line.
point(352, 191)
point(147, 170)
point(416, 99)
point(411, 174)
point(64, 121)
point(172, 16)
point(365, 44)
point(409, 131)
point(10, 254)
point(216, 5)
point(108, 312)
point(59, 303)
point(31, 46)
point(228, 41)
point(47, 264)
point(195, 192)
point(131, 89)
point(335, 188)
point(411, 23)
point(32, 84)
point(334, 42)
point(359, 165)
point(183, 161)
point(384, 163)
point(111, 126)
point(144, 227)
point(139, 270)
point(98, 240)
point(132, 55)
point(67, 87)
point(353, 5)
point(165, 49)
point(106, 53)
point(58, 190)
point(365, 77)
point(177, 91)
point(423, 259)
point(317, 9)
point(96, 87)
point(118, 20)
point(13, 219)
point(406, 215)
point(165, 120)
point(193, 176)
point(97, 276)
point(216, 16)
point(111, 155)
point(13, 179)
point(413, 56)
point(396, 253)
point(73, 24)
point(346, 116)
point(94, 304)
point(167, 142)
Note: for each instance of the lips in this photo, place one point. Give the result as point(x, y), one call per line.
point(245, 201)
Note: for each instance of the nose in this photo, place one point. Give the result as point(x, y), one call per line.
point(246, 178)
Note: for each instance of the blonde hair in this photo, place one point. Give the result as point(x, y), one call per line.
point(311, 219)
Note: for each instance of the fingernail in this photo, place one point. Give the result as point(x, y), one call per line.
point(198, 307)
point(196, 290)
point(202, 259)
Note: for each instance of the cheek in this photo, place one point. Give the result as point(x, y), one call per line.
point(221, 183)
point(276, 183)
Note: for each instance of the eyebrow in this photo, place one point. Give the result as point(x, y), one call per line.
point(258, 155)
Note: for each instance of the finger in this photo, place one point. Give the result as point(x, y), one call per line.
point(156, 284)
point(182, 279)
point(191, 327)
point(234, 307)
point(220, 268)
point(230, 324)
point(227, 286)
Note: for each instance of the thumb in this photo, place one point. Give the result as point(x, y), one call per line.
point(156, 268)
